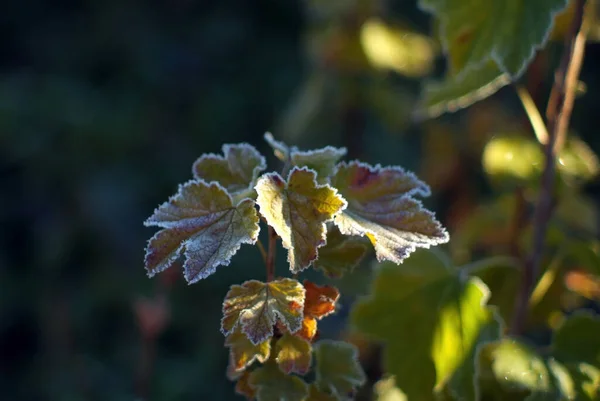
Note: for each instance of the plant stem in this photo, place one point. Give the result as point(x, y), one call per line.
point(271, 254)
point(262, 251)
point(558, 115)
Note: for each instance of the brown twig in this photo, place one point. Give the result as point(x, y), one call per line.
point(558, 115)
point(271, 254)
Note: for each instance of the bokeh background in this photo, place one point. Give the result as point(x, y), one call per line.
point(105, 105)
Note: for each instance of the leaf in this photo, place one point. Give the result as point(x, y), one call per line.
point(242, 352)
point(272, 384)
point(237, 170)
point(315, 394)
point(298, 209)
point(320, 301)
point(578, 339)
point(338, 371)
point(256, 307)
point(381, 207)
point(201, 222)
point(386, 390)
point(488, 44)
point(433, 320)
point(294, 354)
point(457, 92)
point(341, 254)
point(242, 387)
point(322, 161)
point(518, 368)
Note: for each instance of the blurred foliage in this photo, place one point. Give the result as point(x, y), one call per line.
point(105, 105)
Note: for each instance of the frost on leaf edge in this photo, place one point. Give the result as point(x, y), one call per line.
point(149, 222)
point(262, 166)
point(336, 192)
point(422, 189)
point(278, 316)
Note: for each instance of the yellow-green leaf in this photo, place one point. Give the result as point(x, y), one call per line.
point(237, 170)
point(298, 209)
point(242, 352)
point(255, 307)
point(338, 371)
point(315, 394)
point(341, 254)
point(433, 319)
point(202, 222)
point(272, 384)
point(381, 207)
point(294, 354)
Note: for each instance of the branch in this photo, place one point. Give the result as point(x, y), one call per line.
point(271, 254)
point(558, 115)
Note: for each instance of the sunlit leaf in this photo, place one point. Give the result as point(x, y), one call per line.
point(242, 387)
point(298, 209)
point(337, 370)
point(513, 160)
point(584, 284)
point(237, 170)
point(457, 92)
point(432, 319)
point(255, 307)
point(320, 301)
point(386, 390)
point(488, 44)
point(577, 161)
point(341, 254)
point(381, 207)
point(322, 161)
point(201, 222)
point(272, 384)
point(396, 48)
point(294, 354)
point(242, 352)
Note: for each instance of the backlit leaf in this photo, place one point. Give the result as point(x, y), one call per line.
point(255, 307)
point(242, 387)
point(294, 354)
point(381, 207)
point(242, 352)
point(322, 160)
point(338, 371)
point(237, 170)
point(433, 320)
point(489, 43)
point(315, 394)
point(320, 301)
point(341, 254)
point(272, 384)
point(298, 209)
point(202, 222)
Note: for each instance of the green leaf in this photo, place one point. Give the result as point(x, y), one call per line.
point(578, 339)
point(519, 368)
point(237, 170)
point(294, 354)
point(323, 160)
point(381, 207)
point(317, 395)
point(256, 307)
point(338, 371)
point(489, 43)
point(242, 352)
point(341, 254)
point(457, 92)
point(272, 384)
point(298, 209)
point(433, 320)
point(386, 390)
point(202, 222)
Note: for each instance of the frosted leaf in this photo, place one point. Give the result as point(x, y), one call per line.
point(201, 222)
point(294, 354)
point(237, 170)
point(381, 206)
point(256, 307)
point(298, 209)
point(337, 370)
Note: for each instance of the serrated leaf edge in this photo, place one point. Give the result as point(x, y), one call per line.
point(276, 313)
point(355, 358)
